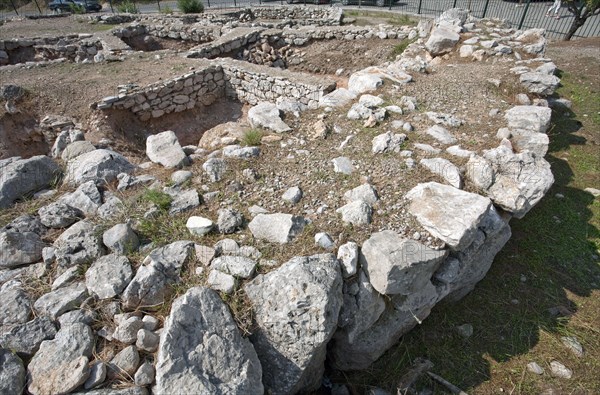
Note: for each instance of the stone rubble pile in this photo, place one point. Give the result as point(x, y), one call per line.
point(97, 324)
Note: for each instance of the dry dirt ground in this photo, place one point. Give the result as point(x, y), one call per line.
point(457, 87)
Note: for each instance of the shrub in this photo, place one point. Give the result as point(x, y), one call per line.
point(166, 10)
point(252, 137)
point(77, 8)
point(190, 6)
point(128, 7)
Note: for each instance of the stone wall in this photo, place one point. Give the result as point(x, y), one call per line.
point(229, 78)
point(251, 84)
point(232, 41)
point(75, 47)
point(326, 16)
point(202, 86)
point(175, 30)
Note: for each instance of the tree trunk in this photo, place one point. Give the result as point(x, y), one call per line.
point(577, 23)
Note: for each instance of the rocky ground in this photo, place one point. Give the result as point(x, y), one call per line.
point(386, 141)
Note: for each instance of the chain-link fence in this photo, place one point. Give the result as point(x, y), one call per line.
point(522, 14)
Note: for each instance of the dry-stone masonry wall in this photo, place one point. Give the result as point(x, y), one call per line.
point(250, 83)
point(232, 41)
point(202, 86)
point(229, 78)
point(75, 47)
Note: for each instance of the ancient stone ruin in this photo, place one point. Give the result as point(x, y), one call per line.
point(354, 213)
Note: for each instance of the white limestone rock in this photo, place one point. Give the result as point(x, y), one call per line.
point(101, 166)
point(202, 352)
point(296, 308)
point(267, 115)
point(445, 169)
point(164, 149)
point(108, 276)
point(276, 228)
point(61, 364)
point(396, 265)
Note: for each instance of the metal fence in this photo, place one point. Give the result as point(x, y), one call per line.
point(522, 14)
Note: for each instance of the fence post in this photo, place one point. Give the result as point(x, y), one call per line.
point(38, 6)
point(14, 7)
point(419, 9)
point(158, 3)
point(454, 5)
point(390, 5)
point(524, 13)
point(485, 7)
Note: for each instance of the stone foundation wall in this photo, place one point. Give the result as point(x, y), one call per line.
point(327, 16)
point(176, 31)
point(251, 84)
point(179, 94)
point(229, 78)
point(232, 41)
point(76, 48)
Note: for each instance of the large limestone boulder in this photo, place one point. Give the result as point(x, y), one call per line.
point(296, 308)
point(276, 228)
point(16, 306)
point(353, 351)
point(202, 352)
point(539, 83)
point(12, 373)
point(221, 135)
point(164, 148)
point(21, 177)
point(449, 214)
point(364, 81)
point(61, 365)
point(462, 270)
point(532, 118)
point(267, 115)
point(396, 265)
point(25, 339)
point(515, 182)
point(453, 17)
point(338, 98)
point(18, 248)
point(160, 269)
point(80, 244)
point(55, 303)
point(442, 40)
point(108, 276)
point(101, 166)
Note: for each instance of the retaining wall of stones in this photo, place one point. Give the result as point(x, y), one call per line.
point(250, 83)
point(75, 47)
point(300, 15)
point(230, 42)
point(229, 78)
point(202, 86)
point(176, 31)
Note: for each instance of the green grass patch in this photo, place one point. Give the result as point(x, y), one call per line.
point(252, 137)
point(158, 198)
point(365, 17)
point(398, 49)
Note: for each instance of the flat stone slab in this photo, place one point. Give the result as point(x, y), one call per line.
point(449, 214)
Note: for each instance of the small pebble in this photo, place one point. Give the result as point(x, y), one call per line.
point(533, 367)
point(560, 370)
